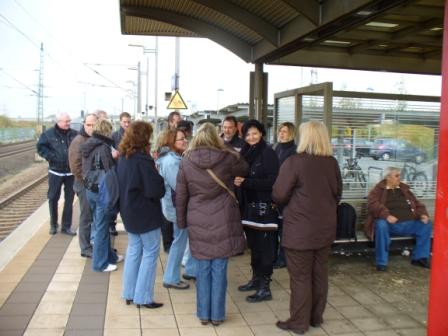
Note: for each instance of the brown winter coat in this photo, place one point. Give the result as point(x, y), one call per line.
point(377, 209)
point(310, 187)
point(208, 211)
point(75, 156)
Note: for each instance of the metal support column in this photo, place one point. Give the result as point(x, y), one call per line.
point(251, 95)
point(438, 294)
point(258, 91)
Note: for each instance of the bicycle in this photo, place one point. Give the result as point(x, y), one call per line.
point(351, 170)
point(417, 180)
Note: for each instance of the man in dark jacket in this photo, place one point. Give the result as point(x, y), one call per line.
point(230, 133)
point(394, 210)
point(53, 146)
point(75, 161)
point(125, 121)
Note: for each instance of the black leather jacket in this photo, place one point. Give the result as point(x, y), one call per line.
point(53, 146)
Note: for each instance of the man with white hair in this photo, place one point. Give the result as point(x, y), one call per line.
point(395, 211)
point(53, 146)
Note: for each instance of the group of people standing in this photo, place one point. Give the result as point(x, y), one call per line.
point(220, 193)
point(209, 196)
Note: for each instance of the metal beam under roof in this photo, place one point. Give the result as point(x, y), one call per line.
point(388, 35)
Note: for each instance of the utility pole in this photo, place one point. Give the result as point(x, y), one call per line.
point(40, 91)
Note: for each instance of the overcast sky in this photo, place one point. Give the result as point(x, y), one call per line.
point(76, 33)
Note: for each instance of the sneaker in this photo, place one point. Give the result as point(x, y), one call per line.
point(180, 285)
point(188, 277)
point(120, 258)
point(110, 268)
point(68, 232)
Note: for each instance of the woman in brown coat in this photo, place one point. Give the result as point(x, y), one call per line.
point(310, 186)
point(206, 205)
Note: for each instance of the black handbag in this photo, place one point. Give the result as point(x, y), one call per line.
point(94, 175)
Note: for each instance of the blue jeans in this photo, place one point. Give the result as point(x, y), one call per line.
point(191, 264)
point(140, 266)
point(173, 264)
point(211, 286)
point(415, 228)
point(103, 254)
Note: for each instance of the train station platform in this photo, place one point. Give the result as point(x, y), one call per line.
point(48, 289)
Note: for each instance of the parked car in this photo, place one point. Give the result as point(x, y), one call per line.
point(362, 146)
point(396, 149)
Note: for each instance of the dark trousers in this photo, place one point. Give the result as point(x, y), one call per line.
point(167, 234)
point(85, 217)
point(262, 247)
point(280, 250)
point(55, 183)
point(308, 272)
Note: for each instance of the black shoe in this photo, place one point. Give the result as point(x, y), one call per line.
point(86, 254)
point(421, 262)
point(381, 268)
point(188, 277)
point(217, 322)
point(53, 230)
point(263, 293)
point(113, 231)
point(253, 284)
point(153, 305)
point(128, 302)
point(68, 232)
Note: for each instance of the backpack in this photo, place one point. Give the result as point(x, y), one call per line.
point(109, 192)
point(95, 175)
point(346, 224)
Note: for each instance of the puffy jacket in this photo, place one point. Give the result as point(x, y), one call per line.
point(377, 209)
point(141, 188)
point(207, 209)
point(168, 163)
point(53, 146)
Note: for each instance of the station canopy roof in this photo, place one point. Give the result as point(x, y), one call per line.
point(385, 35)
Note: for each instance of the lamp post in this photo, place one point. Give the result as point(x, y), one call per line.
point(218, 91)
point(154, 51)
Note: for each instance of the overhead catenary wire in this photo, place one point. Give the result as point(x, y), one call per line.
point(37, 45)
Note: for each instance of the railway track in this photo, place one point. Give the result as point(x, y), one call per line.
point(14, 149)
point(17, 207)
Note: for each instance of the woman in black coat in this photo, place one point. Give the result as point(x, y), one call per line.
point(259, 213)
point(284, 148)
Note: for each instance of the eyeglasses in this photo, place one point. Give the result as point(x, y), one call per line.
point(182, 139)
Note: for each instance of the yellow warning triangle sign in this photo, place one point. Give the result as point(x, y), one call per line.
point(177, 103)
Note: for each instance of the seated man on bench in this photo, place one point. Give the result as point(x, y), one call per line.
point(395, 211)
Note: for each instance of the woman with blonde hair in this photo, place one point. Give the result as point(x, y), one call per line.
point(141, 188)
point(206, 205)
point(309, 185)
point(97, 156)
point(285, 147)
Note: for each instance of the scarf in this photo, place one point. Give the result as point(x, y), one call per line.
point(251, 152)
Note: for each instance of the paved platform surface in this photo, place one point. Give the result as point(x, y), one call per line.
point(48, 289)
